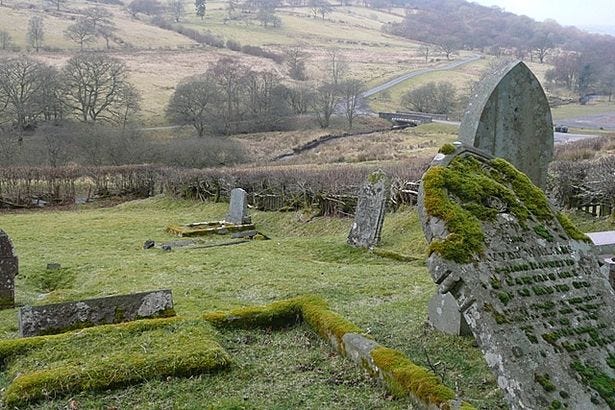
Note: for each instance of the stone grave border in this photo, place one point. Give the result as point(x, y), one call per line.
point(400, 375)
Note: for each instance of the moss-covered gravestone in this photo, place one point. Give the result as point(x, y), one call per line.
point(509, 117)
point(525, 279)
point(8, 271)
point(369, 215)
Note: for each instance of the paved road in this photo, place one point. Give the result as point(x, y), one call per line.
point(559, 137)
point(417, 73)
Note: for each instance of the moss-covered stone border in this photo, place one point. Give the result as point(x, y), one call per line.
point(400, 375)
point(182, 357)
point(207, 228)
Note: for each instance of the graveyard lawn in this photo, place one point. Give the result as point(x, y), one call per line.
point(101, 254)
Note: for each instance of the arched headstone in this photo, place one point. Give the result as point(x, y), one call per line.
point(526, 281)
point(509, 117)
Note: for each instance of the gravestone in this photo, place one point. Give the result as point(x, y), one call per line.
point(62, 317)
point(445, 316)
point(369, 215)
point(9, 268)
point(238, 209)
point(509, 117)
point(536, 300)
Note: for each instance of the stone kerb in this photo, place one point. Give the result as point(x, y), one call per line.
point(61, 317)
point(535, 299)
point(509, 117)
point(366, 227)
point(9, 268)
point(238, 208)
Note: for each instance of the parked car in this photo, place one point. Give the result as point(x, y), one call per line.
point(561, 128)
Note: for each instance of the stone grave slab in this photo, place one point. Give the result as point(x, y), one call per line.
point(238, 208)
point(369, 215)
point(604, 242)
point(509, 117)
point(61, 317)
point(535, 298)
point(9, 268)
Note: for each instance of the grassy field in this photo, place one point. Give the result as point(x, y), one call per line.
point(100, 251)
point(578, 110)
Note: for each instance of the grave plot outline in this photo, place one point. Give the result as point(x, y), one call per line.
point(537, 301)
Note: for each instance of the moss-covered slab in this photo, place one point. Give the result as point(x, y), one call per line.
point(525, 279)
point(107, 356)
point(208, 228)
point(402, 377)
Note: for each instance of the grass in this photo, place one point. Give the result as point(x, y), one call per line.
point(577, 110)
point(387, 298)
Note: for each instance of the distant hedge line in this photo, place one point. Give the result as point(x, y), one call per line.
point(330, 189)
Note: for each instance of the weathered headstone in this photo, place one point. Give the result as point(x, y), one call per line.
point(536, 300)
point(62, 317)
point(238, 209)
point(445, 316)
point(509, 117)
point(369, 215)
point(9, 268)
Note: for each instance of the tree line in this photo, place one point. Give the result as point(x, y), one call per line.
point(231, 97)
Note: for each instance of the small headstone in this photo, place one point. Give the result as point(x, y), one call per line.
point(9, 268)
point(54, 266)
point(537, 301)
point(62, 317)
point(149, 244)
point(509, 117)
point(238, 208)
point(369, 215)
point(445, 316)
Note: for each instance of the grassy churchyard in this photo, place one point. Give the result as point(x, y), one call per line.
point(100, 253)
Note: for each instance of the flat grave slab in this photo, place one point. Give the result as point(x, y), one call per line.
point(61, 317)
point(526, 281)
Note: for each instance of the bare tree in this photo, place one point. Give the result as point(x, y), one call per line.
point(93, 86)
point(200, 6)
point(177, 9)
point(36, 32)
point(228, 74)
point(295, 60)
point(98, 16)
point(194, 102)
point(324, 102)
point(424, 51)
point(107, 32)
point(320, 7)
point(448, 45)
point(21, 82)
point(300, 98)
point(438, 98)
point(351, 96)
point(337, 66)
point(56, 3)
point(81, 32)
point(6, 41)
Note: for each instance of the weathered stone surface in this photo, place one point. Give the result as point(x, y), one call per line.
point(369, 215)
point(536, 300)
point(604, 242)
point(9, 268)
point(445, 316)
point(509, 117)
point(610, 262)
point(238, 209)
point(61, 317)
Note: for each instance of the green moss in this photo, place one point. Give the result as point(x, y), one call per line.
point(555, 404)
point(532, 197)
point(108, 356)
point(597, 380)
point(447, 149)
point(481, 193)
point(376, 176)
point(543, 232)
point(545, 381)
point(611, 360)
point(505, 297)
point(405, 377)
point(571, 230)
point(325, 322)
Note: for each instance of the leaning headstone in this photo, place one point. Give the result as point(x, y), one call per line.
point(238, 209)
point(509, 117)
point(445, 316)
point(62, 317)
point(9, 268)
point(535, 298)
point(369, 215)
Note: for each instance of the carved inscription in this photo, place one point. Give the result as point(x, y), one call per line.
point(536, 300)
